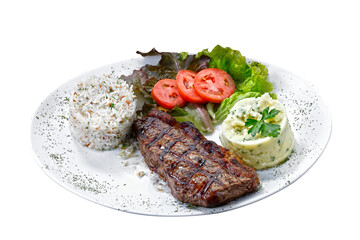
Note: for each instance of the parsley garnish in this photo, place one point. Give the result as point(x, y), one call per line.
point(111, 105)
point(266, 129)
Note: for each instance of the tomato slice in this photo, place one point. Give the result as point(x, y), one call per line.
point(166, 94)
point(214, 85)
point(185, 82)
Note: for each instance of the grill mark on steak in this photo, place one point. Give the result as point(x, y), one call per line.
point(167, 149)
point(144, 127)
point(158, 137)
point(212, 179)
point(183, 156)
point(196, 170)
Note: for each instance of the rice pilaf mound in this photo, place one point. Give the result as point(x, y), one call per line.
point(102, 110)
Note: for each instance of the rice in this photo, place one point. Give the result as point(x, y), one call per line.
point(102, 110)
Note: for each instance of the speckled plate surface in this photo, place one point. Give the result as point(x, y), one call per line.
point(127, 185)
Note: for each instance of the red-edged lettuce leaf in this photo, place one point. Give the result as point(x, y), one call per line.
point(170, 63)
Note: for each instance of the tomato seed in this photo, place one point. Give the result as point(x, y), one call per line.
point(173, 95)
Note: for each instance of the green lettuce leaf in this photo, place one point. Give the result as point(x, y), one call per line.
point(226, 105)
point(195, 113)
point(210, 107)
point(229, 60)
point(257, 80)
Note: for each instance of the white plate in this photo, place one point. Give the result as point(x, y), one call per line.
point(107, 179)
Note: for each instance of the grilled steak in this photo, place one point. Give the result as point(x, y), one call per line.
point(197, 171)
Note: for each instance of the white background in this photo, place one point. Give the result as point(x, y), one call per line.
point(46, 43)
